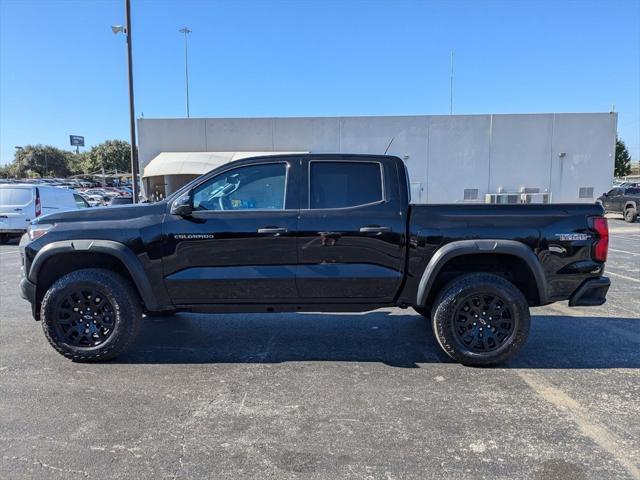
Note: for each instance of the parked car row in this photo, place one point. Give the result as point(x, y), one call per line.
point(22, 202)
point(103, 196)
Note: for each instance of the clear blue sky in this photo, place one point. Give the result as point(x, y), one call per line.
point(63, 72)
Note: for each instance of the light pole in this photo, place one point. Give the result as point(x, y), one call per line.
point(132, 118)
point(451, 87)
point(186, 32)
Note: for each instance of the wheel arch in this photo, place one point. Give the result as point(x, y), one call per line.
point(506, 250)
point(79, 254)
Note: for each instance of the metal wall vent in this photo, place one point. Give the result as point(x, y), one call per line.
point(470, 193)
point(586, 192)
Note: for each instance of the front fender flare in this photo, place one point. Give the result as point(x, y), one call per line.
point(468, 247)
point(109, 247)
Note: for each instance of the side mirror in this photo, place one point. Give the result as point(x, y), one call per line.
point(605, 194)
point(183, 205)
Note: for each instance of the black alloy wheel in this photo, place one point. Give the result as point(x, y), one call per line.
point(84, 317)
point(483, 322)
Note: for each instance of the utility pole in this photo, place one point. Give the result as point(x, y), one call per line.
point(132, 115)
point(186, 32)
point(451, 87)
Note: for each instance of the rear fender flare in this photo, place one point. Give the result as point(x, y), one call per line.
point(468, 247)
point(108, 247)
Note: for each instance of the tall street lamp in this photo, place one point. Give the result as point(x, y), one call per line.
point(186, 32)
point(126, 30)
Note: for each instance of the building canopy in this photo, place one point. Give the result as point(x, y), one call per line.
point(195, 163)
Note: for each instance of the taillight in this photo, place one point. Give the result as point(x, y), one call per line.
point(38, 204)
point(601, 246)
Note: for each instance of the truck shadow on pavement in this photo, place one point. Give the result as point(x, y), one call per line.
point(395, 340)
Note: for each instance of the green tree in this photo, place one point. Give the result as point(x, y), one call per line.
point(40, 161)
point(5, 171)
point(623, 160)
point(110, 155)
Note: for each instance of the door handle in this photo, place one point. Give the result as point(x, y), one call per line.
point(272, 230)
point(374, 229)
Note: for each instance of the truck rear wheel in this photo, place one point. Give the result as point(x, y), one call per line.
point(630, 215)
point(481, 319)
point(91, 315)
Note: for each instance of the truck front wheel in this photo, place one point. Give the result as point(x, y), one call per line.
point(91, 315)
point(481, 319)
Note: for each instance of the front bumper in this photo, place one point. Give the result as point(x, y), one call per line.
point(28, 292)
point(591, 293)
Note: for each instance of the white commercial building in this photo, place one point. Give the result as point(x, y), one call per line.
point(564, 157)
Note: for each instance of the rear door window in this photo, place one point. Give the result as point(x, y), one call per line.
point(344, 184)
point(16, 196)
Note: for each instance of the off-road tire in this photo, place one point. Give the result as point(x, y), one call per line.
point(630, 215)
point(449, 300)
point(127, 309)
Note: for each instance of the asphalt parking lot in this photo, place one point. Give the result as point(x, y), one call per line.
point(328, 396)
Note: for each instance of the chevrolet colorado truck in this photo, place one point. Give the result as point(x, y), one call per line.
point(311, 232)
point(624, 200)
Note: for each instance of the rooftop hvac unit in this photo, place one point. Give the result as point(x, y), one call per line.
point(534, 198)
point(502, 198)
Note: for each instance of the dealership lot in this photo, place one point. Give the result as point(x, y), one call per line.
point(328, 396)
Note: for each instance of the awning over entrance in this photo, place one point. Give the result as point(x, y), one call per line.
point(195, 163)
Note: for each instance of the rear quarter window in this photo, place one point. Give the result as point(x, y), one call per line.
point(15, 196)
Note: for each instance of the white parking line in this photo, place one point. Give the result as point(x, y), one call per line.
point(583, 418)
point(609, 272)
point(623, 251)
point(7, 253)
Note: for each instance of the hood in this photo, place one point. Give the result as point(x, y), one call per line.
point(119, 212)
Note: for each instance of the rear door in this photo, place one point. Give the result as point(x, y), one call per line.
point(17, 207)
point(239, 245)
point(351, 231)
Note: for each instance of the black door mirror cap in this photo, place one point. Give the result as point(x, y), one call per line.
point(183, 205)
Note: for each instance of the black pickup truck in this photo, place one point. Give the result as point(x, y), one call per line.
point(311, 233)
point(624, 200)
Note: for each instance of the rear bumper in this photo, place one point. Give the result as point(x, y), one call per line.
point(591, 293)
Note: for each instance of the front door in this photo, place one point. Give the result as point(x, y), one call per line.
point(239, 245)
point(351, 232)
point(611, 202)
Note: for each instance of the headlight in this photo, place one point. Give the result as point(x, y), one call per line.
point(35, 231)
